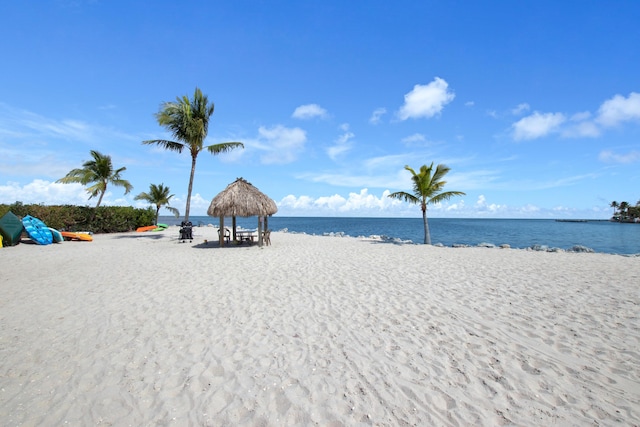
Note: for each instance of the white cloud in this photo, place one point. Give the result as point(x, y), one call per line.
point(416, 137)
point(426, 100)
point(362, 202)
point(282, 144)
point(469, 104)
point(45, 192)
point(579, 117)
point(521, 108)
point(619, 109)
point(537, 125)
point(482, 207)
point(342, 144)
point(582, 129)
point(377, 115)
point(608, 156)
point(309, 111)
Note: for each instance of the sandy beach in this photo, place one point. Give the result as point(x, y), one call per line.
point(139, 329)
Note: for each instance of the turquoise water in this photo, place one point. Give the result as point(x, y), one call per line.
point(601, 236)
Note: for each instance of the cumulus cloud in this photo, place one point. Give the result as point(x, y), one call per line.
point(353, 203)
point(376, 116)
point(426, 100)
point(281, 143)
point(483, 207)
point(537, 125)
point(608, 156)
point(40, 191)
point(582, 129)
point(619, 109)
point(309, 111)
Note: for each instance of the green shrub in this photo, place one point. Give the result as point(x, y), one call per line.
point(105, 219)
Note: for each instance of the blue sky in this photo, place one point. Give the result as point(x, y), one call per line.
point(534, 105)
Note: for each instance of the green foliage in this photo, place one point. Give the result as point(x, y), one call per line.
point(624, 212)
point(427, 189)
point(105, 219)
point(188, 121)
point(159, 196)
point(100, 172)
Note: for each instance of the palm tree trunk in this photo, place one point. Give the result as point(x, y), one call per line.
point(427, 235)
point(100, 198)
point(193, 171)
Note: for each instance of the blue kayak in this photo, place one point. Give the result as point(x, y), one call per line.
point(37, 230)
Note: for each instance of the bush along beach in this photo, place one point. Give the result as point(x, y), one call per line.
point(104, 219)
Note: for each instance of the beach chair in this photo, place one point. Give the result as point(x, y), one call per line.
point(186, 231)
point(266, 237)
point(226, 235)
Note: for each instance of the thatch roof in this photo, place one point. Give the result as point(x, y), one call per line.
point(240, 198)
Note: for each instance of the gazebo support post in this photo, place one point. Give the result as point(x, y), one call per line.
point(233, 225)
point(259, 231)
point(221, 231)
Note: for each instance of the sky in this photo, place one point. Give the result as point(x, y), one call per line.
point(533, 105)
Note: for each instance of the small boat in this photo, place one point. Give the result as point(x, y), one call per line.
point(74, 235)
point(57, 236)
point(37, 230)
point(11, 228)
point(145, 228)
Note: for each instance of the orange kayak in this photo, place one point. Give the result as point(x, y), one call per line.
point(146, 228)
point(72, 235)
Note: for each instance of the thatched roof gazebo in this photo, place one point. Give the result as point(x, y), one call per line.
point(240, 198)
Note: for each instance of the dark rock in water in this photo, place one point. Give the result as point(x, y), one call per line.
point(459, 245)
point(540, 248)
point(505, 246)
point(579, 248)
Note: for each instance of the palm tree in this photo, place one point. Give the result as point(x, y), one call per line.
point(158, 195)
point(427, 189)
point(614, 205)
point(188, 121)
point(623, 210)
point(100, 172)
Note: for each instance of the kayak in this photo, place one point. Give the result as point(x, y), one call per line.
point(57, 236)
point(37, 230)
point(73, 235)
point(160, 227)
point(145, 228)
point(10, 229)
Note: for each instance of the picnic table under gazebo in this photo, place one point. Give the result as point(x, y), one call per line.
point(240, 198)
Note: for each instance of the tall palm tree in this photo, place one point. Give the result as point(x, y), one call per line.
point(623, 210)
point(614, 205)
point(98, 171)
point(188, 121)
point(427, 189)
point(158, 195)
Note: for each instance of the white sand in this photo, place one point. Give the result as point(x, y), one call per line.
point(138, 329)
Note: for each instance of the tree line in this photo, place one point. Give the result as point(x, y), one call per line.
point(624, 212)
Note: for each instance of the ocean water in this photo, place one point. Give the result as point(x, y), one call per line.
point(601, 236)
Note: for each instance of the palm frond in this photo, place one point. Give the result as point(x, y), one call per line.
point(405, 197)
point(224, 147)
point(167, 145)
